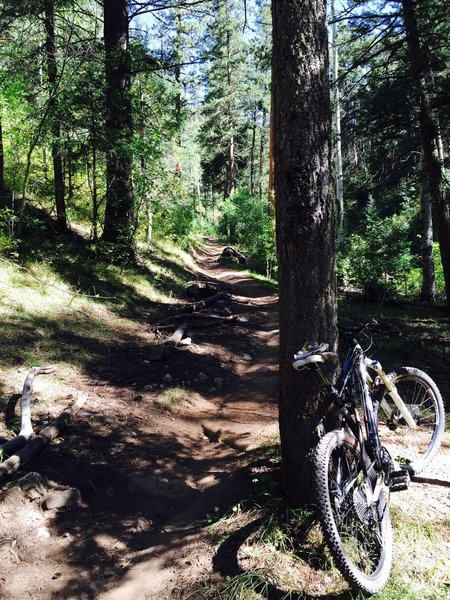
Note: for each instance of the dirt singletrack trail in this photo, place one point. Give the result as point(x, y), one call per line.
point(237, 421)
point(157, 447)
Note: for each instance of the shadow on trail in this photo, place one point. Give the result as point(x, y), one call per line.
point(115, 524)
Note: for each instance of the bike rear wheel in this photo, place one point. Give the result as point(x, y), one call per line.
point(357, 530)
point(414, 447)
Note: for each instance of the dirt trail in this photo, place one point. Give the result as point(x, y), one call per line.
point(242, 419)
point(149, 473)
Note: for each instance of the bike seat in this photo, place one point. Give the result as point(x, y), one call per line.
point(314, 354)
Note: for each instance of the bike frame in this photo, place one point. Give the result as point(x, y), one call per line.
point(372, 400)
point(356, 360)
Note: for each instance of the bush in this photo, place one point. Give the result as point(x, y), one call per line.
point(246, 222)
point(378, 259)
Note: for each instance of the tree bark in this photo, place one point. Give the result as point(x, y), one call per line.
point(429, 138)
point(119, 209)
point(428, 291)
point(52, 73)
point(305, 222)
point(337, 130)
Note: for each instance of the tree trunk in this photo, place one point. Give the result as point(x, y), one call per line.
point(177, 72)
point(262, 157)
point(337, 130)
point(58, 172)
point(119, 209)
point(91, 170)
point(252, 152)
point(428, 291)
point(429, 137)
point(305, 222)
point(230, 180)
point(230, 175)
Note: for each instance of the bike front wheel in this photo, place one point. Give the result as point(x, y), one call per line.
point(417, 446)
point(355, 520)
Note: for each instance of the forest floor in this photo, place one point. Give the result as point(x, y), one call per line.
point(164, 455)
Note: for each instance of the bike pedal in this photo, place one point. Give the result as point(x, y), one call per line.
point(400, 481)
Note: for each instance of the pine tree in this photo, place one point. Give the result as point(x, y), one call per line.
point(119, 209)
point(305, 222)
point(222, 133)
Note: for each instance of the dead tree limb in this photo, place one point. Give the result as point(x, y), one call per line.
point(26, 428)
point(163, 351)
point(196, 306)
point(195, 320)
point(37, 444)
point(201, 289)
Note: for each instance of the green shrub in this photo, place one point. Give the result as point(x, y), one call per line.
point(246, 222)
point(378, 258)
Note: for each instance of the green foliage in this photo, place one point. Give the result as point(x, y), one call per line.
point(378, 258)
point(414, 277)
point(245, 221)
point(7, 220)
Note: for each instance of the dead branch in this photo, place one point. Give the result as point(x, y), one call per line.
point(43, 439)
point(11, 446)
point(163, 351)
point(196, 306)
point(26, 428)
point(203, 320)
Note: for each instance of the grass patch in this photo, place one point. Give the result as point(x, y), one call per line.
point(172, 397)
point(268, 281)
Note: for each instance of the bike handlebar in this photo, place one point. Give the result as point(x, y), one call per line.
point(372, 325)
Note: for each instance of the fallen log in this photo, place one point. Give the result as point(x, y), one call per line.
point(26, 428)
point(201, 319)
point(201, 289)
point(38, 443)
point(196, 306)
point(163, 351)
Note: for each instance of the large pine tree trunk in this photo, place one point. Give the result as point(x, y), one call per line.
point(119, 209)
point(230, 168)
point(304, 210)
point(429, 137)
point(52, 73)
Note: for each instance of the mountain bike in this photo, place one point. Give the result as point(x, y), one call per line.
point(392, 426)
